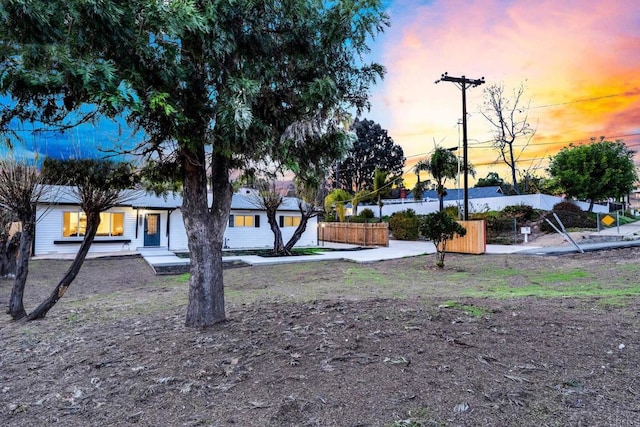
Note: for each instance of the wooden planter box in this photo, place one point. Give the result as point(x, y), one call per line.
point(474, 242)
point(354, 233)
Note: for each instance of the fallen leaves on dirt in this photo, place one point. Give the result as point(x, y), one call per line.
point(373, 362)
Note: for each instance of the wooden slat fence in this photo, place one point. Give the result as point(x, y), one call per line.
point(474, 242)
point(354, 233)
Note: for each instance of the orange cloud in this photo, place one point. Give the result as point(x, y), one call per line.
point(580, 61)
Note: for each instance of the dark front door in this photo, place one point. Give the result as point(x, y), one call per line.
point(152, 230)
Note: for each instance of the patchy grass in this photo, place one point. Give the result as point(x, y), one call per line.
point(470, 309)
point(595, 289)
point(357, 275)
point(559, 276)
point(609, 277)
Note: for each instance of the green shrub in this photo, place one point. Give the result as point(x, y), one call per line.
point(571, 216)
point(366, 213)
point(484, 215)
point(405, 225)
point(519, 212)
point(452, 211)
point(566, 206)
point(498, 226)
point(366, 216)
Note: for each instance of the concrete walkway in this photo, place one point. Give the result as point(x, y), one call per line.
point(163, 261)
point(397, 249)
point(622, 232)
point(624, 236)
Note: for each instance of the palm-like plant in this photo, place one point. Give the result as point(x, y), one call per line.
point(337, 200)
point(442, 165)
point(381, 183)
point(420, 186)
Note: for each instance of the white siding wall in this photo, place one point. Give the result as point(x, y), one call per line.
point(262, 237)
point(178, 241)
point(49, 229)
point(130, 218)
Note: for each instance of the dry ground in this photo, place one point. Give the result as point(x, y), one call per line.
point(489, 340)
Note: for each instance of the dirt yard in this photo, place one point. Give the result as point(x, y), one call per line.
point(492, 340)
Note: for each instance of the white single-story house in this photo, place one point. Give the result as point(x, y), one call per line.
point(147, 220)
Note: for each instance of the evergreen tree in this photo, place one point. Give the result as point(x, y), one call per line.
point(594, 171)
point(373, 149)
point(214, 86)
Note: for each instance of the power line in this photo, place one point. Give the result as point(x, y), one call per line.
point(477, 145)
point(595, 98)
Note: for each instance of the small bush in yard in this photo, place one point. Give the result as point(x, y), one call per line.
point(365, 216)
point(405, 225)
point(519, 212)
point(452, 211)
point(570, 215)
point(440, 228)
point(366, 213)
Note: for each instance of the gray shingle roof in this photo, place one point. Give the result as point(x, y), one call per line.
point(57, 194)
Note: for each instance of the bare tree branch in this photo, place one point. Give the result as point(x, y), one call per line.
point(509, 122)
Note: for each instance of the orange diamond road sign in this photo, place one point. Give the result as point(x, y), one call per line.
point(608, 220)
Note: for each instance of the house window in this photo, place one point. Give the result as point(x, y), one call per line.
point(289, 221)
point(244, 221)
point(74, 224)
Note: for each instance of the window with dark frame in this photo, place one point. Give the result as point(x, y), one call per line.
point(244, 221)
point(74, 224)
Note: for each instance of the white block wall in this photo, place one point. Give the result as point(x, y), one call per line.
point(537, 201)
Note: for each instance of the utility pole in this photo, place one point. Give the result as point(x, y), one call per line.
point(463, 83)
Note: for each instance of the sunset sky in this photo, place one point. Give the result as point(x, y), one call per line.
point(579, 61)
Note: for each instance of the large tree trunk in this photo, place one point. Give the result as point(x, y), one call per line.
point(278, 244)
point(204, 224)
point(440, 191)
point(93, 221)
point(16, 305)
point(12, 253)
point(307, 212)
point(4, 256)
point(205, 231)
point(9, 255)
